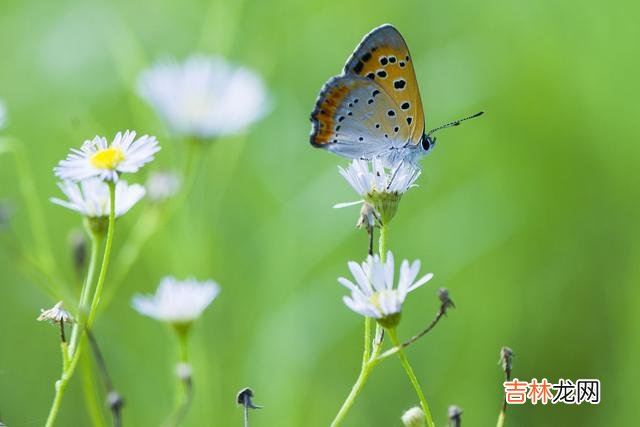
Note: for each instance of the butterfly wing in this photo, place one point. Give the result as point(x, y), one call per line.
point(383, 57)
point(356, 118)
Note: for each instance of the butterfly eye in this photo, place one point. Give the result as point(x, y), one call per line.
point(427, 143)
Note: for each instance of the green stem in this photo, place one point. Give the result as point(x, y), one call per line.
point(67, 373)
point(368, 359)
point(501, 418)
point(85, 293)
point(185, 384)
point(105, 256)
point(367, 340)
point(414, 381)
point(90, 392)
point(382, 242)
point(355, 390)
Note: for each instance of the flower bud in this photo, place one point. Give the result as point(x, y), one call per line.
point(414, 417)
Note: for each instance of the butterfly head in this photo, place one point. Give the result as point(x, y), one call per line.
point(427, 143)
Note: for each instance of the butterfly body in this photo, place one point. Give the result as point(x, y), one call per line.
point(373, 109)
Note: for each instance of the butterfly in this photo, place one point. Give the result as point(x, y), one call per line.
point(374, 109)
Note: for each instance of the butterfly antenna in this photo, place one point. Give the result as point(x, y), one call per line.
point(455, 122)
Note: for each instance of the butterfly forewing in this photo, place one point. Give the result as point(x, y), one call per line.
point(383, 57)
point(356, 118)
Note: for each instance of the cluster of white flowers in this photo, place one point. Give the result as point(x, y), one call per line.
point(86, 172)
point(204, 97)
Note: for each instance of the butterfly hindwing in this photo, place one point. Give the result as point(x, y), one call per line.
point(383, 57)
point(356, 118)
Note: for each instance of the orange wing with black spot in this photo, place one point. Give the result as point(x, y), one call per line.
point(383, 57)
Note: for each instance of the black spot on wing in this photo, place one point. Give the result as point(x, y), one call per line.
point(399, 84)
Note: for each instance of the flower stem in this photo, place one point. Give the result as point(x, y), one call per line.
point(382, 242)
point(414, 381)
point(105, 256)
point(368, 363)
point(355, 390)
point(74, 354)
point(90, 392)
point(85, 293)
point(184, 394)
point(367, 340)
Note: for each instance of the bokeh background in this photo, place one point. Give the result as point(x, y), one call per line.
point(529, 215)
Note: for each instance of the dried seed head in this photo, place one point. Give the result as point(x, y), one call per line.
point(368, 217)
point(114, 400)
point(506, 360)
point(55, 314)
point(445, 301)
point(244, 398)
point(455, 416)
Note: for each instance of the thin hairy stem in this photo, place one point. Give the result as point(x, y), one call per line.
point(445, 304)
point(85, 293)
point(382, 242)
point(412, 377)
point(105, 256)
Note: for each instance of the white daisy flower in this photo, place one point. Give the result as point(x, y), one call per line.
point(99, 158)
point(204, 97)
point(371, 176)
point(381, 187)
point(373, 294)
point(178, 302)
point(91, 197)
point(3, 114)
point(55, 314)
point(162, 186)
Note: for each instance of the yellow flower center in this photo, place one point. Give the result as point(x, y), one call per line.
point(376, 297)
point(109, 158)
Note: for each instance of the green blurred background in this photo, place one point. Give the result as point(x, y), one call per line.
point(529, 215)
